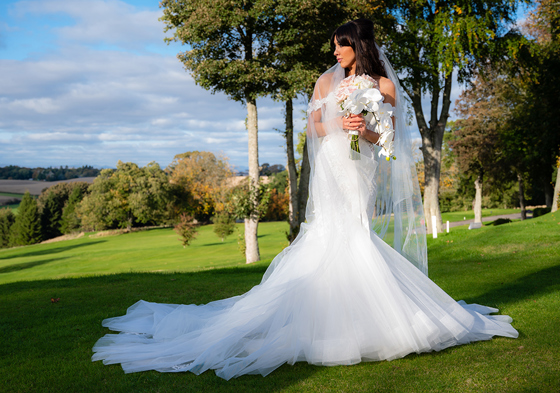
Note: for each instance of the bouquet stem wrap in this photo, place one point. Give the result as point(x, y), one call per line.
point(354, 145)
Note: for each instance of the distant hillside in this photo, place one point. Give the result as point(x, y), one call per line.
point(14, 172)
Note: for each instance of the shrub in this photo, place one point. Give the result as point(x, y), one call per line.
point(27, 226)
point(187, 229)
point(224, 225)
point(7, 219)
point(540, 211)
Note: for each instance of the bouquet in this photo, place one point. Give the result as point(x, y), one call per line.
point(357, 95)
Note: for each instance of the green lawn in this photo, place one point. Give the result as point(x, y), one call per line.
point(469, 214)
point(156, 250)
point(47, 346)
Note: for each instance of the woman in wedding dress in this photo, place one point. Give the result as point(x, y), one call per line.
point(338, 295)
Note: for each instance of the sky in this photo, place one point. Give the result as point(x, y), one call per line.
point(91, 82)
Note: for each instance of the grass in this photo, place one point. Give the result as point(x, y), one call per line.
point(47, 346)
point(156, 250)
point(11, 194)
point(469, 215)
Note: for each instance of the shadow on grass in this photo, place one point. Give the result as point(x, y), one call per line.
point(538, 283)
point(73, 325)
point(54, 250)
point(212, 244)
point(27, 265)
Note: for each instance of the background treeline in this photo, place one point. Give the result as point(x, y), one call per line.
point(48, 174)
point(504, 148)
point(197, 187)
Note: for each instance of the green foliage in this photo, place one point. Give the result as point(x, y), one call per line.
point(278, 181)
point(241, 245)
point(539, 211)
point(7, 219)
point(187, 229)
point(230, 44)
point(51, 213)
point(70, 222)
point(248, 201)
point(27, 226)
point(224, 225)
point(51, 203)
point(128, 196)
point(301, 37)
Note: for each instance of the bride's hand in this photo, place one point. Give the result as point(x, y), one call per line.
point(354, 123)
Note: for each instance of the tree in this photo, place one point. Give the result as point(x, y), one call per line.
point(475, 133)
point(187, 229)
point(224, 225)
point(51, 202)
point(231, 52)
point(427, 40)
point(204, 179)
point(70, 221)
point(27, 226)
point(128, 196)
point(7, 219)
point(556, 199)
point(540, 71)
point(51, 213)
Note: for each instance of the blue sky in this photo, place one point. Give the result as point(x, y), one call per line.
point(91, 82)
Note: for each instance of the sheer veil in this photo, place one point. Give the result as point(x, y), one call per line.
point(396, 211)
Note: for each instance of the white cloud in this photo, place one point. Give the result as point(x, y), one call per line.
point(80, 104)
point(109, 22)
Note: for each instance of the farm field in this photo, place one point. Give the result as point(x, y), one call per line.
point(34, 187)
point(514, 267)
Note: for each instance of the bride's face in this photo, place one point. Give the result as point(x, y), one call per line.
point(345, 56)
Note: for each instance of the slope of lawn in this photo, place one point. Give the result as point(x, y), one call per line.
point(47, 346)
point(469, 214)
point(156, 250)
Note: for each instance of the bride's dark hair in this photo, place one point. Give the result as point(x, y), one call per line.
point(359, 35)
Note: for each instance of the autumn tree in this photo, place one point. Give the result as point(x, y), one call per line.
point(231, 52)
point(204, 179)
point(27, 226)
point(428, 41)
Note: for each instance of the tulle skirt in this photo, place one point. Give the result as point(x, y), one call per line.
point(325, 301)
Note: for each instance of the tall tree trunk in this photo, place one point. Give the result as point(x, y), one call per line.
point(432, 139)
point(556, 192)
point(303, 187)
point(293, 216)
point(251, 223)
point(432, 170)
point(521, 196)
point(478, 199)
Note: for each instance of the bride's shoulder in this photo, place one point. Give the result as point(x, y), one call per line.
point(386, 86)
point(324, 84)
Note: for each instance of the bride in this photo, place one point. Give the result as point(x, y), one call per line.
point(338, 295)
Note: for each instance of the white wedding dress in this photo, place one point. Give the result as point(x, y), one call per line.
point(339, 295)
